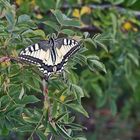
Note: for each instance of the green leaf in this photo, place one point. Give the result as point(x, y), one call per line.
point(52, 25)
point(4, 100)
point(131, 2)
point(33, 119)
point(98, 89)
point(25, 128)
point(80, 59)
point(21, 93)
point(68, 32)
point(73, 77)
point(12, 107)
point(52, 127)
point(64, 20)
point(54, 108)
point(28, 32)
point(95, 63)
point(73, 126)
point(33, 87)
point(46, 5)
point(98, 38)
point(58, 4)
point(29, 99)
point(93, 57)
point(78, 91)
point(18, 110)
point(114, 23)
point(41, 135)
point(101, 45)
point(63, 131)
point(71, 119)
point(24, 18)
point(60, 117)
point(80, 138)
point(4, 131)
point(10, 16)
point(32, 33)
point(78, 107)
point(39, 33)
point(30, 138)
point(91, 41)
point(113, 107)
point(101, 101)
point(116, 2)
point(18, 119)
point(133, 58)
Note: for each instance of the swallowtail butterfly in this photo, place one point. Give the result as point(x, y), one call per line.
point(50, 56)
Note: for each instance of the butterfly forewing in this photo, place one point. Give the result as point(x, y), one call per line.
point(65, 48)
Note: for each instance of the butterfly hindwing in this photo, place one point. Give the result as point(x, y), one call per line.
point(50, 56)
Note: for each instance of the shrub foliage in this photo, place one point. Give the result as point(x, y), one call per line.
point(23, 108)
point(108, 34)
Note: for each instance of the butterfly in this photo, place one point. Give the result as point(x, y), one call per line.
point(50, 56)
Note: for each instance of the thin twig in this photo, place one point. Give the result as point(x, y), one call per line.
point(4, 59)
point(47, 105)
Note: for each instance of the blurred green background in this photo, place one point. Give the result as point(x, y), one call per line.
point(112, 99)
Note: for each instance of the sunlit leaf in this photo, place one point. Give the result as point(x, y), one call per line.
point(63, 132)
point(25, 128)
point(78, 107)
point(21, 93)
point(68, 32)
point(95, 63)
point(91, 41)
point(29, 99)
point(24, 18)
point(64, 20)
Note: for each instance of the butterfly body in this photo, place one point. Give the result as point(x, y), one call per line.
point(50, 56)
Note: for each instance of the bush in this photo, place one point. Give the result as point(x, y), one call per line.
point(22, 109)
